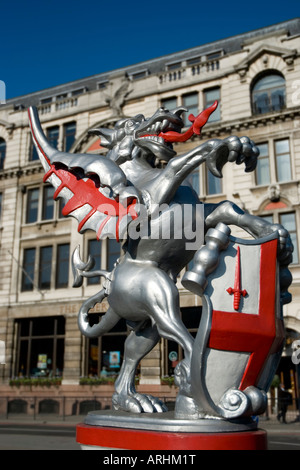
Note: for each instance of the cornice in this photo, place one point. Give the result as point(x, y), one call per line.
point(251, 122)
point(18, 172)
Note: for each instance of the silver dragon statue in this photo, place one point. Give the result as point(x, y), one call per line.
point(139, 194)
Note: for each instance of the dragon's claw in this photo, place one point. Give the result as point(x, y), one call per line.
point(138, 403)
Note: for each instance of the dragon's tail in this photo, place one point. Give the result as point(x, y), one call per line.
point(106, 323)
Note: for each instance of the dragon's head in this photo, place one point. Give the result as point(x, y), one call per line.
point(152, 137)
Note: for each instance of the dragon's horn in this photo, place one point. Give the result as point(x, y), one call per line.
point(107, 136)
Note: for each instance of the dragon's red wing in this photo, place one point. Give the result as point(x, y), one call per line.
point(77, 180)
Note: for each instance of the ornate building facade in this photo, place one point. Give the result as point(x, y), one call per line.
point(255, 78)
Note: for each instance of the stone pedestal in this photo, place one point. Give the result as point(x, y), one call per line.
point(124, 431)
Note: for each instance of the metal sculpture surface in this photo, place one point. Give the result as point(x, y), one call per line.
point(149, 206)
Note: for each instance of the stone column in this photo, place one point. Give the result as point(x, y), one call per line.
point(150, 367)
point(72, 356)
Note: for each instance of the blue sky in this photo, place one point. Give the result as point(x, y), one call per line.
point(48, 42)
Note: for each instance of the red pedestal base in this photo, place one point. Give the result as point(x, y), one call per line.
point(136, 439)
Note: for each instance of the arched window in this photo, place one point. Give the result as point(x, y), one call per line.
point(2, 153)
point(268, 94)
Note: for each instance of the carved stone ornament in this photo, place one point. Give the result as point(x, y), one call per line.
point(156, 214)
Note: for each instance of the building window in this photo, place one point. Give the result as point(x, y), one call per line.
point(62, 265)
point(40, 205)
point(113, 253)
point(53, 136)
point(191, 103)
point(102, 85)
point(2, 153)
point(45, 267)
point(94, 250)
point(268, 94)
point(48, 203)
point(32, 205)
point(38, 263)
point(274, 160)
point(194, 180)
point(263, 166)
point(210, 96)
point(40, 347)
point(289, 222)
point(172, 352)
point(104, 355)
point(139, 75)
point(169, 103)
point(33, 154)
point(69, 135)
point(28, 270)
point(282, 157)
point(213, 184)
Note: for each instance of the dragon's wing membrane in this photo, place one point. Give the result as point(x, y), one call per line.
point(85, 183)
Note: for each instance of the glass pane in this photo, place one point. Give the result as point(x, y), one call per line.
point(283, 168)
point(263, 150)
point(45, 267)
point(263, 171)
point(214, 185)
point(191, 317)
point(268, 218)
point(211, 96)
point(43, 326)
point(53, 135)
point(93, 357)
point(263, 166)
point(62, 265)
point(278, 100)
point(28, 269)
point(295, 252)
point(23, 358)
point(191, 103)
point(269, 81)
point(69, 135)
point(172, 356)
point(282, 146)
point(94, 248)
point(113, 248)
point(112, 353)
point(2, 153)
point(169, 103)
point(60, 325)
point(48, 203)
point(261, 103)
point(32, 205)
point(60, 349)
point(33, 152)
point(41, 357)
point(24, 327)
point(194, 180)
point(289, 222)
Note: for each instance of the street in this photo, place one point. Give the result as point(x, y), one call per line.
point(15, 436)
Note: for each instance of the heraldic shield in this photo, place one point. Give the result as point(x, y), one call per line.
point(241, 332)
